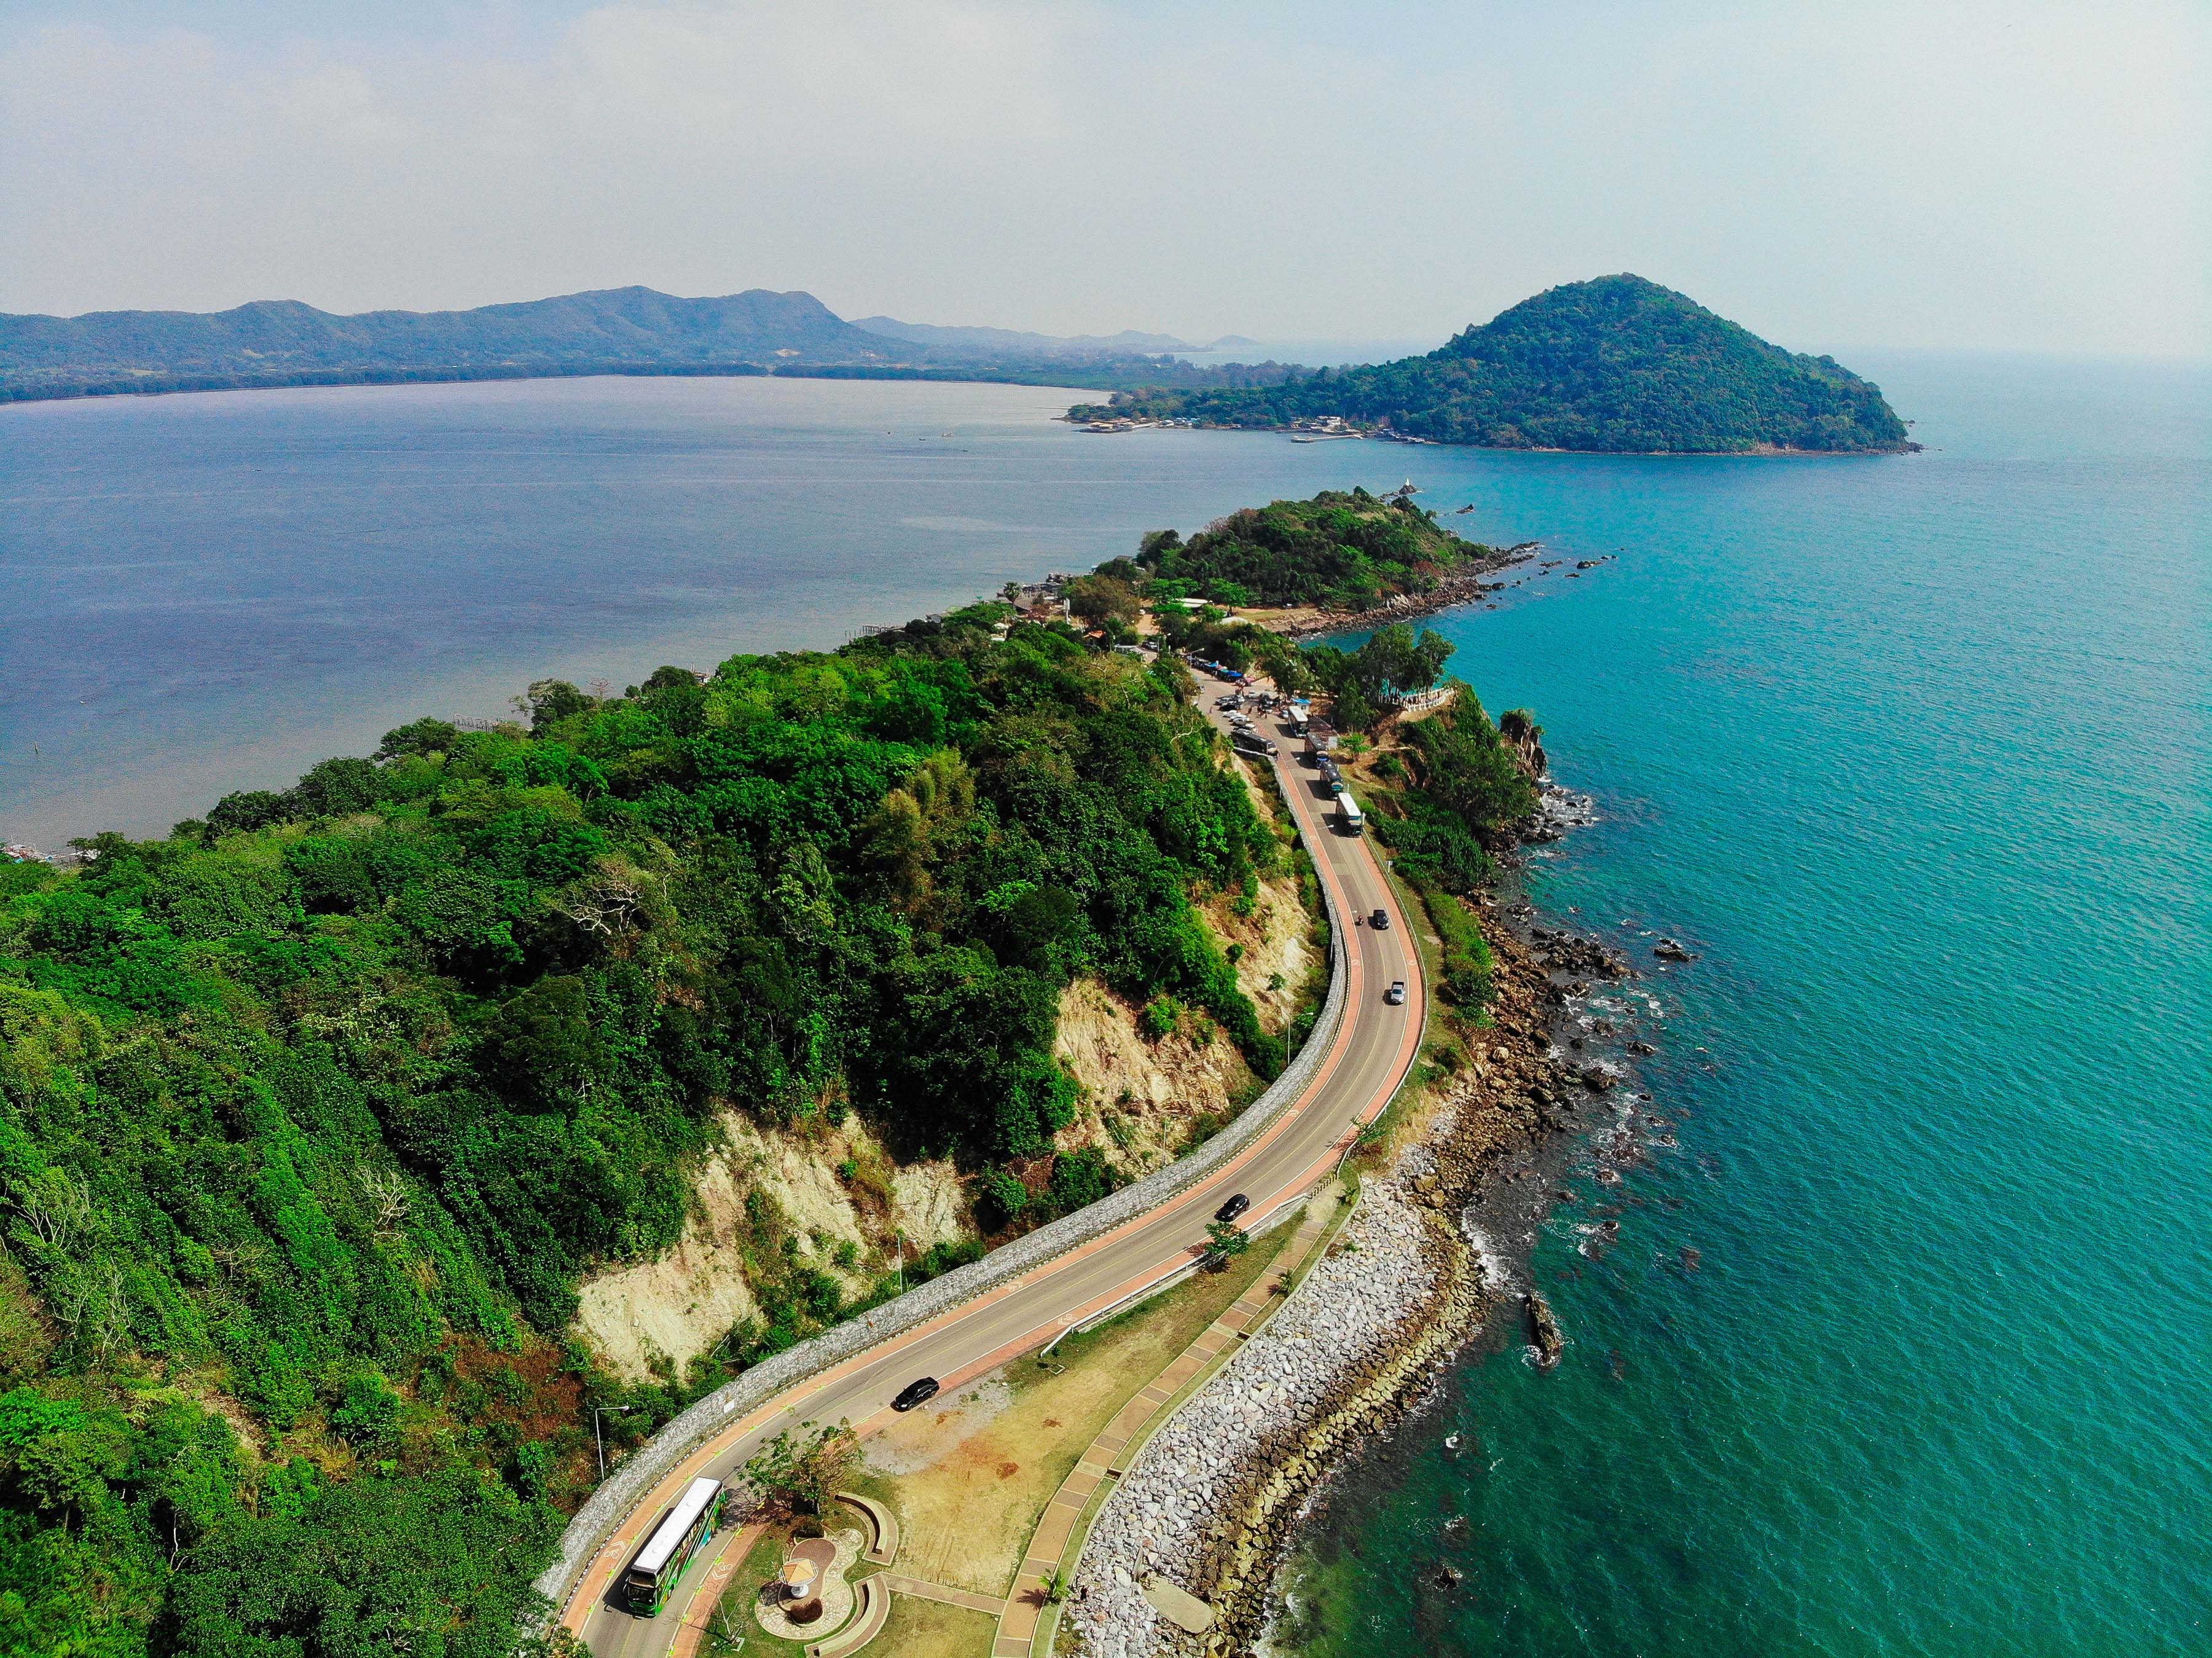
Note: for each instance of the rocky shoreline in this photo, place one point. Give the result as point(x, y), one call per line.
point(1464, 588)
point(1211, 1502)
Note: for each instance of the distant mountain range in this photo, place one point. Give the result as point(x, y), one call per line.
point(1617, 365)
point(620, 330)
point(1001, 341)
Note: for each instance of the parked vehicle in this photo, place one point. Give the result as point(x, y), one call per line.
point(915, 1393)
point(1251, 742)
point(1236, 1206)
point(1396, 993)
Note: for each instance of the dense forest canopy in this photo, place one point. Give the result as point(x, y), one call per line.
point(313, 1114)
point(1618, 364)
point(1345, 550)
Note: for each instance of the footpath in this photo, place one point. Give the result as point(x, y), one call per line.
point(1059, 1537)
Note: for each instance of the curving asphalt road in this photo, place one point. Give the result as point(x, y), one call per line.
point(1374, 1047)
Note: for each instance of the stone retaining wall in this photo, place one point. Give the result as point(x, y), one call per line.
point(630, 1484)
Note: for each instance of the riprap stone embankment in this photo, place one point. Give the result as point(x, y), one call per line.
point(1209, 1502)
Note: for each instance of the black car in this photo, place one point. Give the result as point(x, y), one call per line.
point(1380, 921)
point(915, 1393)
point(1236, 1206)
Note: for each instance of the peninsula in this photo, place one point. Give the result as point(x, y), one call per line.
point(1617, 365)
point(382, 1153)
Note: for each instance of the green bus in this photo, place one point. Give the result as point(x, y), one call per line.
point(693, 1519)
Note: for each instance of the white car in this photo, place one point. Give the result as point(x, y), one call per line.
point(1396, 993)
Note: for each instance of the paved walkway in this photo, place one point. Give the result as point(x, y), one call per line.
point(923, 1590)
point(1107, 1457)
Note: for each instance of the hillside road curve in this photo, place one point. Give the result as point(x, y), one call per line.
point(1373, 1048)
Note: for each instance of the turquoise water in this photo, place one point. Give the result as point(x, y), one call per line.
point(1914, 753)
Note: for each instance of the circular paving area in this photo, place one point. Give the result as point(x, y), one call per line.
point(832, 1556)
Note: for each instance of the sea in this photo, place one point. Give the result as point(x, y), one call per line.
point(1886, 1276)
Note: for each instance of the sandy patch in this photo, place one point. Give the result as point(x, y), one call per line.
point(920, 1438)
point(678, 1306)
point(1140, 1095)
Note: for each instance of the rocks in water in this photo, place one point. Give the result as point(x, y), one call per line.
point(1667, 949)
point(1645, 1049)
point(1599, 1080)
point(1563, 952)
point(1544, 1329)
point(1444, 1576)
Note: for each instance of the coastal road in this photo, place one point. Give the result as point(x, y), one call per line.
point(1374, 1045)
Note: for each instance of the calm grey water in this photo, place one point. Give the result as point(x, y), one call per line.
point(213, 592)
point(1902, 1345)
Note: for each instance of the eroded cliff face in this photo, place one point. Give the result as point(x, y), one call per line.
point(836, 1197)
point(835, 1192)
point(1147, 1098)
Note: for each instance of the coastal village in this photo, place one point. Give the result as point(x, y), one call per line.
point(1321, 429)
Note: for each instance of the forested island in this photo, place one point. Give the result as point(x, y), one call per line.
point(1615, 365)
point(316, 1115)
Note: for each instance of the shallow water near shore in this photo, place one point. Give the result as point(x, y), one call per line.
point(1899, 1346)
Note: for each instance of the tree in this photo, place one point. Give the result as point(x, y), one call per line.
point(421, 736)
point(439, 1564)
point(1102, 599)
point(249, 808)
point(541, 1044)
point(802, 1474)
point(1224, 1239)
point(549, 701)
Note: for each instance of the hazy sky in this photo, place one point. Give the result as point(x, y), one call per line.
point(2007, 176)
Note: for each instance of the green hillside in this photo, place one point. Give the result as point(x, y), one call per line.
point(1618, 364)
point(312, 1115)
point(1345, 550)
point(619, 331)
